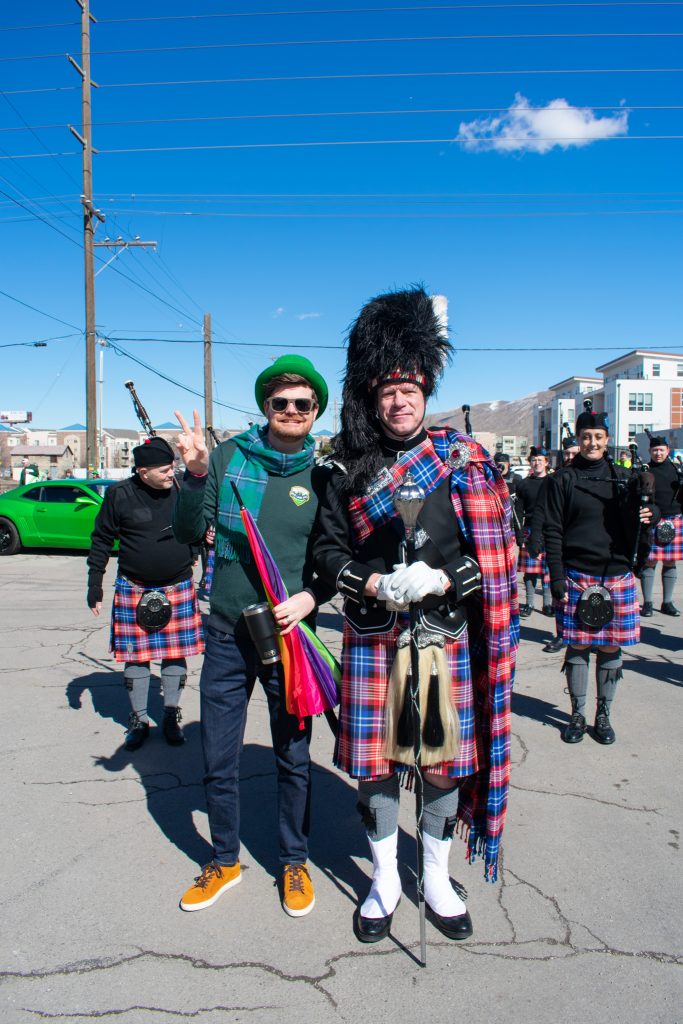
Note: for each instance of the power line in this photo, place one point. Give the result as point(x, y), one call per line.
point(263, 44)
point(414, 216)
point(199, 394)
point(354, 76)
point(349, 10)
point(41, 311)
point(200, 119)
point(451, 141)
point(335, 348)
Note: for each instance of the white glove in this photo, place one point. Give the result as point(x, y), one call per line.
point(385, 590)
point(416, 581)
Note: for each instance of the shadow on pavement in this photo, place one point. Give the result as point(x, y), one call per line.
point(539, 710)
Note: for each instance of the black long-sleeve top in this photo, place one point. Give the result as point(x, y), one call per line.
point(668, 487)
point(591, 519)
point(348, 566)
point(527, 496)
point(535, 544)
point(140, 518)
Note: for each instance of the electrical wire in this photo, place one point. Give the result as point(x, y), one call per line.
point(352, 77)
point(41, 311)
point(337, 113)
point(261, 43)
point(334, 348)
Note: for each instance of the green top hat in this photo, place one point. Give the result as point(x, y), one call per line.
point(293, 364)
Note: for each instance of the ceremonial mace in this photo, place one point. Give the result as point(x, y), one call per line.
point(409, 499)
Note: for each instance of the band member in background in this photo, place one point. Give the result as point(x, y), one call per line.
point(533, 566)
point(570, 449)
point(396, 352)
point(591, 528)
point(512, 482)
point(138, 512)
point(668, 537)
point(273, 467)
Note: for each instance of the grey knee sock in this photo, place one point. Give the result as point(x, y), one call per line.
point(173, 676)
point(608, 673)
point(440, 809)
point(668, 583)
point(136, 681)
point(530, 587)
point(378, 807)
point(576, 670)
point(647, 580)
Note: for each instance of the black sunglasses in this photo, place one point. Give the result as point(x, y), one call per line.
point(300, 404)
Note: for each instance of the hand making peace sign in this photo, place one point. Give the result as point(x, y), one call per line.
point(192, 446)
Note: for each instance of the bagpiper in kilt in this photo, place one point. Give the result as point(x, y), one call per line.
point(667, 542)
point(155, 615)
point(593, 522)
point(462, 588)
point(532, 562)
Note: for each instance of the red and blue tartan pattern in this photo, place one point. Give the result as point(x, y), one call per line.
point(672, 552)
point(622, 631)
point(531, 566)
point(366, 666)
point(181, 638)
point(481, 502)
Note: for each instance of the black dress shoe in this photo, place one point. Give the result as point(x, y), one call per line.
point(602, 730)
point(137, 732)
point(646, 610)
point(173, 734)
point(554, 646)
point(576, 729)
point(373, 929)
point(669, 609)
point(525, 611)
point(548, 610)
point(459, 927)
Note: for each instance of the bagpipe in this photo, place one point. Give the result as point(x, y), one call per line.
point(145, 421)
point(468, 422)
point(643, 484)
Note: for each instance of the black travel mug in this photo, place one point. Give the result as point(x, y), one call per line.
point(261, 626)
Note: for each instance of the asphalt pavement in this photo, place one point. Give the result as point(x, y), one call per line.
point(98, 844)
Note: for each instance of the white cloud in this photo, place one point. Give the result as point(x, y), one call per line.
point(524, 128)
point(307, 316)
point(277, 312)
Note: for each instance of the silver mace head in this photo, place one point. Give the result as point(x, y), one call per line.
point(409, 499)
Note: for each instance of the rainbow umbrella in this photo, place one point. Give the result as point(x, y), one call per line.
point(312, 675)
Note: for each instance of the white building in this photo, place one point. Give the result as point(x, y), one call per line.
point(641, 390)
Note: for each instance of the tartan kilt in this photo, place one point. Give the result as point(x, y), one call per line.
point(672, 552)
point(366, 666)
point(527, 564)
point(622, 631)
point(181, 638)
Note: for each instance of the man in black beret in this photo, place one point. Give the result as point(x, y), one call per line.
point(668, 537)
point(155, 615)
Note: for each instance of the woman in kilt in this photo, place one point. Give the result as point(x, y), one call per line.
point(591, 532)
point(532, 563)
point(667, 547)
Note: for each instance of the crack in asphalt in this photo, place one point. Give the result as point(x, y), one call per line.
point(590, 799)
point(98, 1014)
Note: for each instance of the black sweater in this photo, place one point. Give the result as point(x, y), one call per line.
point(591, 519)
point(527, 495)
point(140, 518)
point(668, 489)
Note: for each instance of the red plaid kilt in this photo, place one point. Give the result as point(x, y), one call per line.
point(366, 665)
point(622, 631)
point(528, 565)
point(672, 552)
point(181, 638)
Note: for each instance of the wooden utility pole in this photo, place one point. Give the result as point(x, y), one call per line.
point(208, 385)
point(90, 214)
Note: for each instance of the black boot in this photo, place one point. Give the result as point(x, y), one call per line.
point(138, 732)
point(646, 611)
point(603, 731)
point(669, 608)
point(173, 734)
point(577, 725)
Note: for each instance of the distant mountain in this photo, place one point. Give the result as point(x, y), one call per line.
point(500, 417)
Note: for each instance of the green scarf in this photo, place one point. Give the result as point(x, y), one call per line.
point(252, 462)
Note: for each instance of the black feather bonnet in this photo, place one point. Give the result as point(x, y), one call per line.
point(397, 337)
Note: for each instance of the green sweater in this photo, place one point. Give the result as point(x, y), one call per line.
point(287, 529)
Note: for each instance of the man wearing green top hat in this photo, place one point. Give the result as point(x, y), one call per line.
point(273, 467)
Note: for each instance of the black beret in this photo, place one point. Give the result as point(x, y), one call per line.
point(655, 442)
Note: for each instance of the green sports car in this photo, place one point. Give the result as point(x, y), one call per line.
point(50, 514)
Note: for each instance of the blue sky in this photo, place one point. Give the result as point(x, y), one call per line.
point(570, 243)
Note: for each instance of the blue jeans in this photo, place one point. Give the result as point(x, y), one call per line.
point(231, 667)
